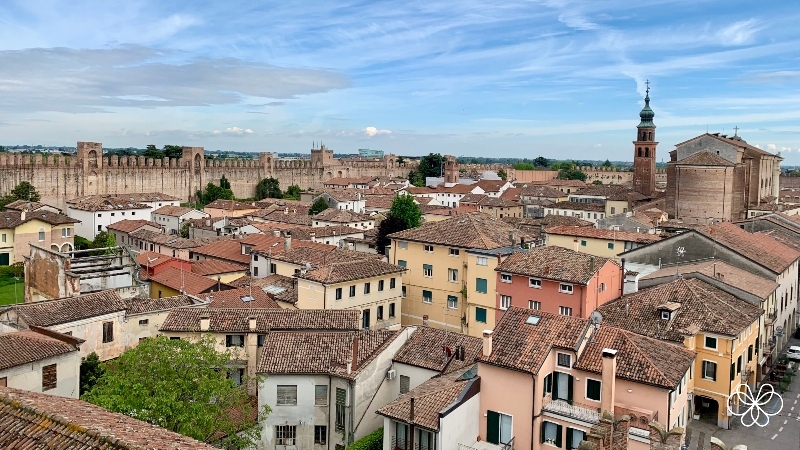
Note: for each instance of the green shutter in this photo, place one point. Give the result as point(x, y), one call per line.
point(548, 383)
point(558, 432)
point(401, 263)
point(569, 390)
point(733, 371)
point(427, 266)
point(570, 445)
point(480, 285)
point(493, 427)
point(4, 259)
point(541, 428)
point(555, 386)
point(480, 315)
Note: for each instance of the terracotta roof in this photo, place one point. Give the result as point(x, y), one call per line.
point(521, 346)
point(29, 420)
point(491, 185)
point(231, 249)
point(188, 282)
point(149, 305)
point(27, 346)
point(282, 203)
point(705, 159)
point(103, 203)
point(340, 181)
point(153, 259)
point(281, 216)
point(173, 211)
point(613, 192)
point(53, 312)
point(232, 320)
point(602, 233)
point(340, 272)
point(341, 216)
point(512, 193)
point(702, 307)
point(426, 348)
point(430, 399)
point(208, 267)
point(578, 206)
point(230, 205)
point(784, 237)
point(127, 225)
point(759, 248)
point(344, 195)
point(473, 230)
point(554, 263)
point(320, 255)
point(172, 241)
point(444, 211)
point(282, 288)
point(550, 220)
point(244, 297)
point(335, 230)
point(380, 201)
point(533, 190)
point(733, 140)
point(565, 183)
point(725, 273)
point(144, 197)
point(13, 219)
point(328, 353)
point(639, 359)
point(20, 205)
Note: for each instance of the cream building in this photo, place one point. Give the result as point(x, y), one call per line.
point(43, 228)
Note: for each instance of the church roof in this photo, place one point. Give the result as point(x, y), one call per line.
point(647, 114)
point(705, 159)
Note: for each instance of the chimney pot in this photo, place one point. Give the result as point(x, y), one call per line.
point(276, 233)
point(487, 342)
point(354, 358)
point(425, 320)
point(251, 323)
point(287, 241)
point(609, 375)
point(205, 323)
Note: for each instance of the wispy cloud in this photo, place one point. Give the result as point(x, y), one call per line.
point(739, 33)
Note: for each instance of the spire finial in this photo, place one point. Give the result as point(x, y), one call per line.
point(647, 83)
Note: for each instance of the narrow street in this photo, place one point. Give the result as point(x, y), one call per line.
point(782, 432)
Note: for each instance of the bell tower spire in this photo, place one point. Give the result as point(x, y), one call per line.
point(644, 156)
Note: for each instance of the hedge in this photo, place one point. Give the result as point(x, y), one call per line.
point(372, 441)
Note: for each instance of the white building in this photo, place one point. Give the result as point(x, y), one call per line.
point(345, 199)
point(96, 212)
point(38, 360)
point(172, 217)
point(335, 217)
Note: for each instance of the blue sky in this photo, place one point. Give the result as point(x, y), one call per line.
point(553, 78)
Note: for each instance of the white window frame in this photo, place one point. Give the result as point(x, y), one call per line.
point(586, 389)
point(506, 277)
point(505, 302)
point(563, 310)
point(427, 248)
point(452, 304)
point(716, 342)
point(402, 244)
point(427, 273)
point(535, 283)
point(558, 363)
point(455, 252)
point(42, 235)
point(562, 287)
point(482, 261)
point(452, 275)
point(534, 305)
point(703, 369)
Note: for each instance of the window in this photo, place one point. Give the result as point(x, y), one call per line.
point(391, 309)
point(427, 248)
point(379, 313)
point(66, 232)
point(602, 287)
point(613, 210)
point(454, 252)
point(255, 257)
point(533, 304)
point(482, 261)
point(535, 283)
point(338, 293)
point(365, 320)
point(273, 268)
point(664, 315)
point(380, 285)
point(611, 246)
point(481, 285)
point(174, 338)
point(353, 290)
point(505, 278)
point(749, 353)
point(320, 434)
point(583, 243)
point(498, 427)
point(452, 302)
point(480, 315)
point(100, 228)
point(341, 396)
point(402, 244)
point(403, 291)
point(427, 270)
point(564, 311)
point(739, 364)
point(234, 340)
point(564, 359)
point(367, 287)
point(551, 433)
point(405, 384)
point(427, 296)
point(401, 263)
point(4, 382)
point(41, 234)
point(710, 370)
point(49, 377)
point(320, 395)
point(144, 322)
point(505, 302)
point(287, 395)
point(565, 288)
point(711, 342)
point(260, 340)
point(108, 332)
point(255, 271)
point(593, 389)
point(547, 388)
point(452, 275)
point(392, 283)
point(574, 437)
point(285, 434)
point(3, 238)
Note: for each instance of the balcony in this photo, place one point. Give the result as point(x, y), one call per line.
point(483, 445)
point(746, 374)
point(574, 410)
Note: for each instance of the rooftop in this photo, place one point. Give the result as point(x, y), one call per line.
point(19, 205)
point(235, 320)
point(27, 346)
point(127, 225)
point(733, 276)
point(245, 297)
point(97, 203)
point(554, 263)
point(208, 267)
point(534, 190)
point(759, 248)
point(705, 159)
point(173, 211)
point(149, 305)
point(186, 282)
point(172, 241)
point(343, 271)
point(13, 219)
point(282, 288)
point(53, 312)
point(473, 230)
point(229, 205)
point(341, 216)
point(602, 233)
point(613, 192)
point(427, 348)
point(578, 206)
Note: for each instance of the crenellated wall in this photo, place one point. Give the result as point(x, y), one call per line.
point(59, 178)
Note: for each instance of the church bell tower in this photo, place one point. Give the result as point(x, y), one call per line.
point(644, 156)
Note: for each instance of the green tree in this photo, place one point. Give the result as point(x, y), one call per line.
point(224, 183)
point(91, 371)
point(173, 151)
point(372, 441)
point(318, 206)
point(180, 385)
point(524, 166)
point(502, 174)
point(406, 209)
point(25, 191)
point(388, 226)
point(104, 239)
point(571, 173)
point(415, 178)
point(268, 188)
point(152, 152)
point(541, 161)
point(185, 230)
point(597, 182)
point(213, 192)
point(81, 243)
point(430, 166)
point(607, 163)
point(292, 192)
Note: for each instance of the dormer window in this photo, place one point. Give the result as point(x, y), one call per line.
point(664, 315)
point(246, 249)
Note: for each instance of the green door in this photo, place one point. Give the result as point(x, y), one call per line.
point(493, 427)
point(4, 259)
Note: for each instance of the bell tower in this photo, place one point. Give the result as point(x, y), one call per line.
point(644, 147)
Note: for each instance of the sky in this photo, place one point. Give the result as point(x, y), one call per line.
point(553, 78)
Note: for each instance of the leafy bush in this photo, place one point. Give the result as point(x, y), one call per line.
point(372, 441)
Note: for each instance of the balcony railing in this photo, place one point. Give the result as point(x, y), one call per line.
point(399, 443)
point(574, 410)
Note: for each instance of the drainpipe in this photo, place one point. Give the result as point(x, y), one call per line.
point(411, 424)
point(329, 410)
point(533, 411)
point(351, 436)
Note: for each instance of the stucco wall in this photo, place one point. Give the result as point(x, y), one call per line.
point(461, 426)
point(91, 330)
point(28, 377)
point(498, 395)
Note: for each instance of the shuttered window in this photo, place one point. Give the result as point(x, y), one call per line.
point(287, 395)
point(108, 332)
point(593, 389)
point(320, 395)
point(341, 397)
point(480, 285)
point(49, 377)
point(480, 315)
point(405, 383)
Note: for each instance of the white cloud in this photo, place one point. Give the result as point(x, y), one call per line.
point(786, 149)
point(771, 146)
point(598, 145)
point(372, 131)
point(236, 131)
point(739, 33)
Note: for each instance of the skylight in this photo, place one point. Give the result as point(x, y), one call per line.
point(247, 298)
point(533, 320)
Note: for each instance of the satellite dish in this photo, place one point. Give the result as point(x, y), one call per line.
point(596, 318)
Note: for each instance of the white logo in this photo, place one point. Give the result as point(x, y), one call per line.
point(752, 410)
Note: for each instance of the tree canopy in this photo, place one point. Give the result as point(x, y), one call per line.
point(224, 183)
point(406, 209)
point(524, 166)
point(502, 174)
point(268, 188)
point(571, 173)
point(388, 226)
point(318, 206)
point(541, 161)
point(23, 191)
point(91, 370)
point(292, 192)
point(213, 192)
point(152, 152)
point(431, 165)
point(173, 151)
point(180, 385)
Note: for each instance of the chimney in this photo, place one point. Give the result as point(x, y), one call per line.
point(575, 244)
point(487, 342)
point(22, 214)
point(354, 358)
point(208, 222)
point(251, 323)
point(609, 375)
point(312, 235)
point(411, 411)
point(205, 323)
point(425, 320)
point(287, 241)
point(276, 233)
point(512, 237)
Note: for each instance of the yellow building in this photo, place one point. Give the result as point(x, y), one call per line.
point(596, 241)
point(721, 328)
point(44, 228)
point(451, 279)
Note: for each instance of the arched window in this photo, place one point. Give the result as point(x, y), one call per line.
point(640, 151)
point(650, 136)
point(646, 152)
point(41, 234)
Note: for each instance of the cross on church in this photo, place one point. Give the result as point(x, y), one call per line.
point(735, 131)
point(647, 83)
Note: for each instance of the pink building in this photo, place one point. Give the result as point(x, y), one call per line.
point(545, 378)
point(557, 280)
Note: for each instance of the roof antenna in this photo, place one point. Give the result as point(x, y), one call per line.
point(736, 131)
